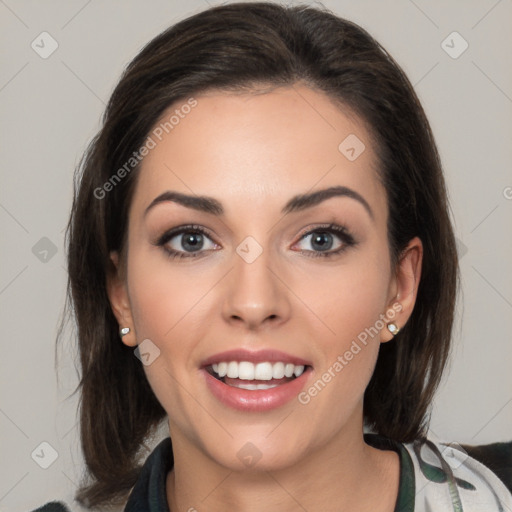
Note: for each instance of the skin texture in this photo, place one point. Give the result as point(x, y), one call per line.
point(253, 152)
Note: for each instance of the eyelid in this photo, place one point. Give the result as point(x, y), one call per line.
point(171, 233)
point(324, 227)
point(338, 230)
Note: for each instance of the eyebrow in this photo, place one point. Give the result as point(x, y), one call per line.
point(295, 204)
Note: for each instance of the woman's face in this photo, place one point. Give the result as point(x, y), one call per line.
point(262, 282)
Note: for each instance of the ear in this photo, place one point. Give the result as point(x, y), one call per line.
point(118, 295)
point(404, 287)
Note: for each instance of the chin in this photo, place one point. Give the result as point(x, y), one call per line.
point(259, 451)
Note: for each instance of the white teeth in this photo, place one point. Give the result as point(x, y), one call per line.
point(263, 371)
point(232, 370)
point(298, 371)
point(288, 370)
point(278, 371)
point(252, 387)
point(222, 369)
point(245, 370)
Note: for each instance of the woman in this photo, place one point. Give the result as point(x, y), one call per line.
point(261, 254)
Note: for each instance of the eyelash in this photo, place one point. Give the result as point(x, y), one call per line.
point(340, 231)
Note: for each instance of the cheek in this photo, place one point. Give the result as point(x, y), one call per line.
point(167, 310)
point(351, 297)
point(350, 301)
point(163, 297)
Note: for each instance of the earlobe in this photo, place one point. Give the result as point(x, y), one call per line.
point(393, 321)
point(119, 301)
point(406, 282)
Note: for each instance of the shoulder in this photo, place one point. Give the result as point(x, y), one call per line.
point(464, 477)
point(445, 476)
point(149, 486)
point(496, 456)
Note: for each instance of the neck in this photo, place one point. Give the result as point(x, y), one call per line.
point(344, 474)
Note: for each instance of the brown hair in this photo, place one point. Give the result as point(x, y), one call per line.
point(237, 47)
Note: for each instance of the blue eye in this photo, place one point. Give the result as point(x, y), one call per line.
point(189, 241)
point(185, 242)
point(322, 239)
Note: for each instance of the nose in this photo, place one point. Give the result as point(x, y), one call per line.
point(255, 295)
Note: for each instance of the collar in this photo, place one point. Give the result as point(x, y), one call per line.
point(407, 483)
point(149, 492)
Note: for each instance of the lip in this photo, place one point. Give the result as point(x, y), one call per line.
point(258, 400)
point(254, 356)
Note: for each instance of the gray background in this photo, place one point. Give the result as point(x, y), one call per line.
point(50, 108)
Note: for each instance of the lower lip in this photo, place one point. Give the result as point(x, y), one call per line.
point(259, 399)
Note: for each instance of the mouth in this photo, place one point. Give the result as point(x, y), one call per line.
point(255, 381)
point(251, 376)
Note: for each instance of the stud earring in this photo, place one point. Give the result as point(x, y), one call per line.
point(124, 331)
point(393, 329)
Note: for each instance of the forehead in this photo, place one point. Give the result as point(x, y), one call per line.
point(251, 150)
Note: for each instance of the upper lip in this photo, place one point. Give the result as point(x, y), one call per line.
point(254, 356)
